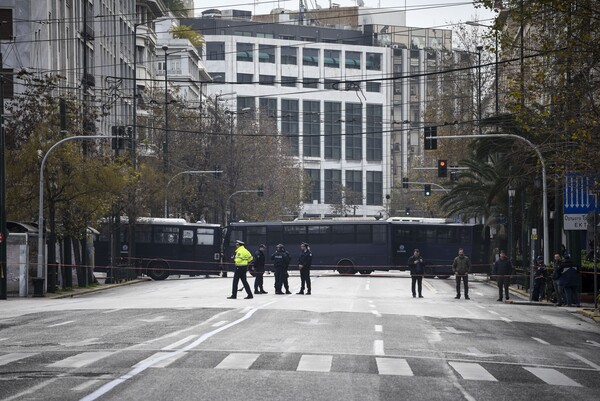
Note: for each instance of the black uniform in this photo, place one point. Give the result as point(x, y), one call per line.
point(281, 260)
point(259, 271)
point(416, 264)
point(304, 263)
point(502, 270)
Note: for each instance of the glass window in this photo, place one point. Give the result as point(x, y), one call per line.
point(374, 188)
point(289, 81)
point(315, 185)
point(166, 235)
point(379, 234)
point(374, 132)
point(294, 235)
point(215, 50)
point(143, 233)
point(333, 186)
point(187, 237)
point(267, 107)
point(331, 84)
point(290, 123)
point(374, 61)
point(331, 58)
point(310, 83)
point(373, 86)
point(266, 53)
point(363, 234)
point(266, 80)
point(310, 56)
point(354, 181)
point(206, 236)
point(244, 51)
point(256, 235)
point(236, 234)
point(319, 234)
point(333, 130)
point(311, 128)
point(343, 234)
point(289, 55)
point(217, 77)
point(353, 131)
point(244, 78)
point(353, 60)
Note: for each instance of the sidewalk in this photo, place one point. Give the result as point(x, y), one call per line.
point(586, 309)
point(100, 286)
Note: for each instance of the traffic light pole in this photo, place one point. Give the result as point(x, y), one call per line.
point(427, 183)
point(544, 187)
point(41, 273)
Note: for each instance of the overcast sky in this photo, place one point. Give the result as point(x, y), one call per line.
point(420, 13)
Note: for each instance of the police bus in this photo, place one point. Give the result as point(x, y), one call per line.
point(163, 247)
point(362, 246)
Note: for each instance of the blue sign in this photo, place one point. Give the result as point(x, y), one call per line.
point(581, 194)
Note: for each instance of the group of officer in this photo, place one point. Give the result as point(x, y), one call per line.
point(281, 260)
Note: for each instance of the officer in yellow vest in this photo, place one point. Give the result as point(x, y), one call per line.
point(242, 258)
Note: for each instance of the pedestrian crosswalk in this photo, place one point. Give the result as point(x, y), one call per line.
point(384, 366)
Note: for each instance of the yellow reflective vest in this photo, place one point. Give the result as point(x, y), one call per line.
point(242, 256)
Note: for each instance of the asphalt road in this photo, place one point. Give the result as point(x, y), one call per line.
point(356, 338)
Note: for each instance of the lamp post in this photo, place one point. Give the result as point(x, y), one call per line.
point(496, 78)
point(479, 49)
point(166, 144)
point(177, 175)
point(242, 191)
point(3, 230)
point(511, 196)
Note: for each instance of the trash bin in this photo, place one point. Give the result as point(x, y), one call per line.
point(38, 287)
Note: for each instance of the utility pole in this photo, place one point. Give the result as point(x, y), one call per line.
point(3, 230)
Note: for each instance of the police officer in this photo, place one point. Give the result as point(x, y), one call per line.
point(304, 264)
point(259, 270)
point(242, 260)
point(461, 267)
point(281, 260)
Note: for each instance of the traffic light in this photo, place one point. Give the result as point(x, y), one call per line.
point(442, 168)
point(427, 189)
point(404, 182)
point(118, 131)
point(453, 175)
point(430, 143)
point(407, 211)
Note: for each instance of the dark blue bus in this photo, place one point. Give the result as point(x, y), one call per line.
point(365, 245)
point(164, 246)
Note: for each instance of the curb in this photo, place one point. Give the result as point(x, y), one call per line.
point(590, 313)
point(101, 287)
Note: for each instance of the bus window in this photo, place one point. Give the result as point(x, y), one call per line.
point(343, 234)
point(166, 235)
point(256, 235)
point(379, 234)
point(234, 235)
point(188, 237)
point(319, 234)
point(363, 234)
point(205, 236)
point(294, 234)
point(143, 234)
point(446, 235)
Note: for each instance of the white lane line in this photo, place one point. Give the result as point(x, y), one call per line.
point(539, 340)
point(87, 384)
point(180, 342)
point(80, 360)
point(8, 358)
point(552, 376)
point(371, 306)
point(429, 287)
point(245, 310)
point(136, 371)
point(377, 314)
point(367, 287)
point(582, 359)
point(315, 363)
point(392, 366)
point(237, 361)
point(594, 343)
point(507, 320)
point(378, 328)
point(472, 371)
point(167, 358)
point(3, 339)
point(61, 324)
point(378, 347)
point(219, 324)
point(494, 312)
point(111, 311)
point(480, 306)
point(479, 293)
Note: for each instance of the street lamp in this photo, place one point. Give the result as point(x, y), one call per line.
point(166, 145)
point(242, 191)
point(177, 175)
point(511, 196)
point(479, 117)
point(474, 23)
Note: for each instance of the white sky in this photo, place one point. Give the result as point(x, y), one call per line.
point(420, 13)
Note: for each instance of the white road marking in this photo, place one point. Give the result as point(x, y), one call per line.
point(472, 371)
point(154, 319)
point(167, 358)
point(219, 324)
point(378, 328)
point(111, 311)
point(479, 293)
point(582, 359)
point(87, 384)
point(237, 361)
point(429, 287)
point(180, 342)
point(378, 347)
point(377, 314)
point(552, 376)
point(392, 366)
point(82, 343)
point(594, 343)
point(8, 358)
point(539, 340)
point(494, 312)
point(245, 310)
point(3, 339)
point(452, 330)
point(507, 320)
point(80, 360)
point(61, 324)
point(434, 337)
point(315, 363)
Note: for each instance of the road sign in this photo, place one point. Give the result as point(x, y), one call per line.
point(580, 195)
point(575, 222)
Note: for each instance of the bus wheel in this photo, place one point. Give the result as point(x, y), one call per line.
point(429, 272)
point(158, 271)
point(443, 277)
point(365, 271)
point(346, 267)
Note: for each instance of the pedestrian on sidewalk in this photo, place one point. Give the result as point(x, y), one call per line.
point(556, 273)
point(416, 264)
point(461, 267)
point(539, 280)
point(569, 281)
point(502, 271)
